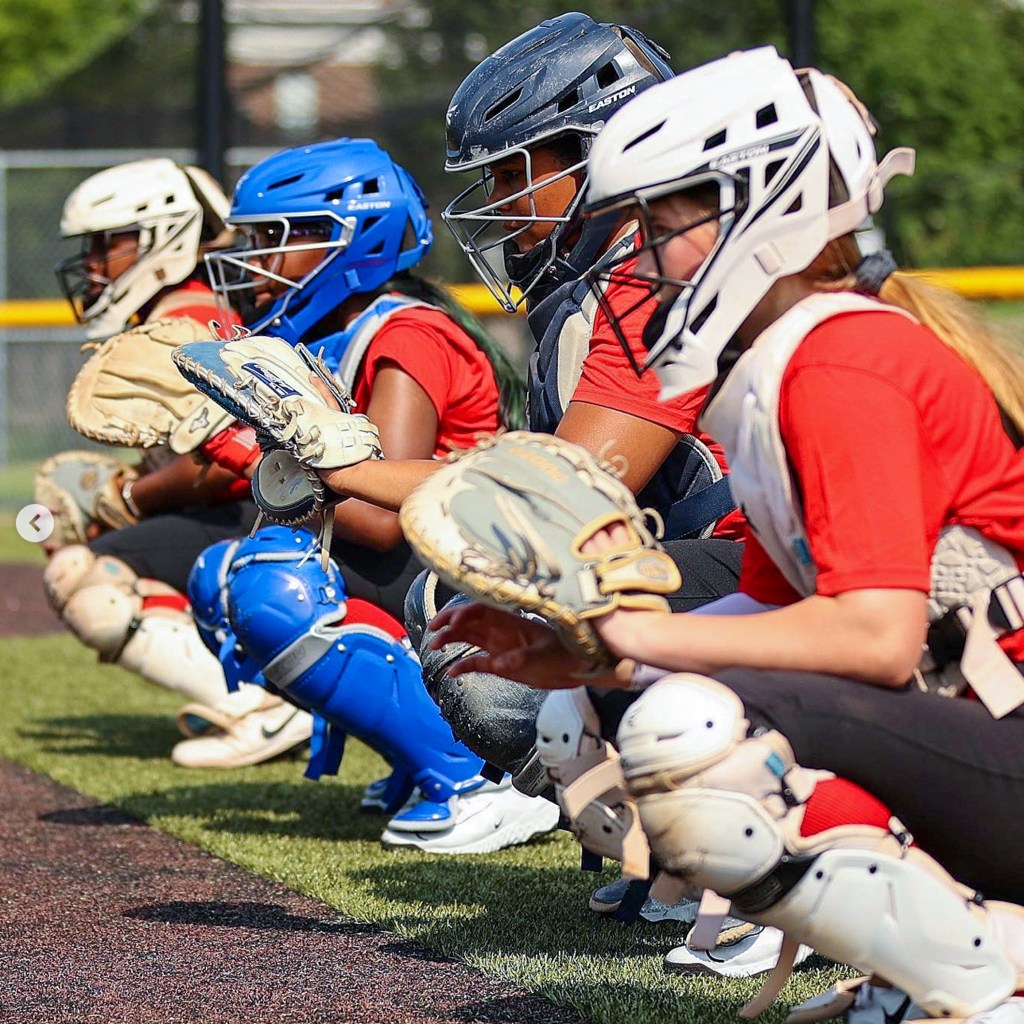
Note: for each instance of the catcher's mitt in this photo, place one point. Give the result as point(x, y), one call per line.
point(504, 523)
point(80, 488)
point(266, 383)
point(129, 392)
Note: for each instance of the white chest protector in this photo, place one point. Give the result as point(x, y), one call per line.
point(744, 417)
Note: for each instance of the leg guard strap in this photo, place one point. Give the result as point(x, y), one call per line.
point(588, 781)
point(724, 811)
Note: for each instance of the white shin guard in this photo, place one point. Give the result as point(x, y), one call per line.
point(168, 651)
point(723, 811)
point(101, 600)
point(588, 781)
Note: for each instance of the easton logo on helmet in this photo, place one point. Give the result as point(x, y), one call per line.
point(614, 98)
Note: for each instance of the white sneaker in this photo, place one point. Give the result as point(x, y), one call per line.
point(607, 899)
point(858, 1001)
point(266, 732)
point(1010, 1011)
point(488, 818)
point(198, 719)
point(742, 950)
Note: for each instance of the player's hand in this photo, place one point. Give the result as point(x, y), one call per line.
point(511, 646)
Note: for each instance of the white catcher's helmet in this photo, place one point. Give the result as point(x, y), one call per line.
point(168, 206)
point(792, 155)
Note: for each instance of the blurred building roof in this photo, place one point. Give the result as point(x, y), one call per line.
point(287, 33)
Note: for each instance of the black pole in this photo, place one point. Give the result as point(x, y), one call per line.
point(802, 42)
point(212, 105)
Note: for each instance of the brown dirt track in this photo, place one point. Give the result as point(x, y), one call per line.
point(105, 919)
point(23, 608)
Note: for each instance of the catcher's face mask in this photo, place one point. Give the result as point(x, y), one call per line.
point(284, 256)
point(522, 203)
point(679, 235)
point(103, 257)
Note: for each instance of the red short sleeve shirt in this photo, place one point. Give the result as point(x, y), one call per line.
point(609, 380)
point(891, 436)
point(446, 363)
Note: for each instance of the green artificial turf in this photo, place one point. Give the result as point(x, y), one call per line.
point(520, 914)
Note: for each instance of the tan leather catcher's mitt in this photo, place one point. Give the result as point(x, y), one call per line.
point(130, 393)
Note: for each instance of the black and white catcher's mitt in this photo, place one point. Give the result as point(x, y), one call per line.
point(505, 524)
point(268, 384)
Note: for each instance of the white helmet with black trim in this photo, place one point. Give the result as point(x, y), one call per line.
point(791, 154)
point(172, 209)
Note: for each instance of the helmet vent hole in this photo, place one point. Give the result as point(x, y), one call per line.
point(766, 116)
point(712, 141)
point(568, 101)
point(368, 224)
point(377, 250)
point(370, 186)
point(772, 169)
point(608, 75)
point(644, 136)
point(335, 197)
point(504, 103)
point(284, 181)
point(795, 206)
point(702, 317)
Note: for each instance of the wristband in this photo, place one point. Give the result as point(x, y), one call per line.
point(126, 497)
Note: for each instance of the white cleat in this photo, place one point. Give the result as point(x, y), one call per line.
point(742, 950)
point(1010, 1011)
point(858, 1001)
point(489, 817)
point(271, 729)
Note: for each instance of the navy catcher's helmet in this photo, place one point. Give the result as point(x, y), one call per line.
point(564, 77)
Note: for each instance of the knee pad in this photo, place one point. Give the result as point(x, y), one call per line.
point(420, 607)
point(139, 624)
point(588, 781)
point(210, 581)
point(496, 718)
point(723, 810)
point(64, 572)
point(293, 621)
point(207, 591)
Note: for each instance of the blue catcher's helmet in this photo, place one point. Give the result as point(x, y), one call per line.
point(346, 199)
point(562, 79)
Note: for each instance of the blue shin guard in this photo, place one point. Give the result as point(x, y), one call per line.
point(210, 581)
point(291, 621)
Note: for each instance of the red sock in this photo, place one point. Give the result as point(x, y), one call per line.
point(838, 802)
point(364, 612)
point(179, 602)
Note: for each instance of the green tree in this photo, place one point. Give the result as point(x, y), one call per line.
point(945, 78)
point(44, 41)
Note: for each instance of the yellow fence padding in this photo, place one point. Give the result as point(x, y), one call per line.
point(990, 283)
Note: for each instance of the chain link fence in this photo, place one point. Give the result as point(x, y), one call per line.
point(38, 364)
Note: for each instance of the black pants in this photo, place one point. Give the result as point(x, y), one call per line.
point(710, 569)
point(381, 577)
point(948, 770)
point(165, 547)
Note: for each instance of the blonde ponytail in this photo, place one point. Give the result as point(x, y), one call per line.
point(953, 319)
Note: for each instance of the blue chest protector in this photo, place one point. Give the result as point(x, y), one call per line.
point(688, 490)
point(343, 352)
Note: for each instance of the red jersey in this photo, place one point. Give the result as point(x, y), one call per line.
point(447, 364)
point(891, 436)
point(195, 299)
point(608, 380)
